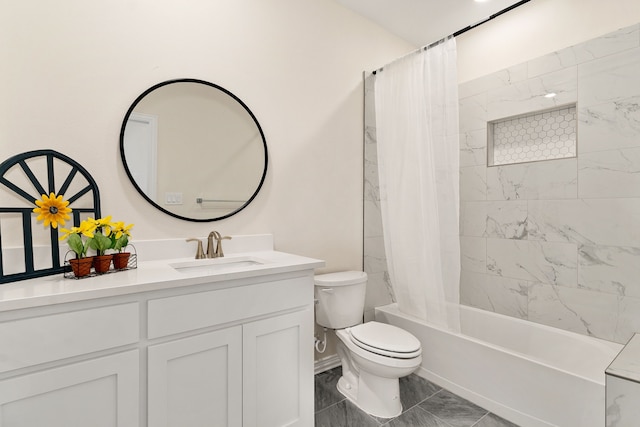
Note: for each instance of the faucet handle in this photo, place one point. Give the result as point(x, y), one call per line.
point(199, 252)
point(219, 240)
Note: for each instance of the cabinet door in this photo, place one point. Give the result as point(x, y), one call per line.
point(102, 392)
point(197, 381)
point(278, 371)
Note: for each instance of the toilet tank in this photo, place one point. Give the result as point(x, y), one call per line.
point(340, 298)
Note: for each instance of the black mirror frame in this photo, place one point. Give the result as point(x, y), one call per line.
point(157, 206)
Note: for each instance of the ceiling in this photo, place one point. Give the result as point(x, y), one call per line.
point(422, 22)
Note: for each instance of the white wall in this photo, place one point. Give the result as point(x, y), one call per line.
point(69, 71)
point(537, 28)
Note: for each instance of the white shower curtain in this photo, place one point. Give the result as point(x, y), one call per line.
point(416, 110)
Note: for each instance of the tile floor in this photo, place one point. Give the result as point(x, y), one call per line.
point(424, 405)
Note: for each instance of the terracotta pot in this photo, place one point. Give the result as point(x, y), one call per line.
point(101, 263)
point(121, 260)
point(81, 266)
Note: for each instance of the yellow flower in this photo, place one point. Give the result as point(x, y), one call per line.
point(121, 229)
point(67, 232)
point(103, 224)
point(53, 210)
point(86, 228)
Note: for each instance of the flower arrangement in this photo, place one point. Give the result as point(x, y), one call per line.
point(100, 234)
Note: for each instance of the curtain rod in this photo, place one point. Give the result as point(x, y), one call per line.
point(464, 30)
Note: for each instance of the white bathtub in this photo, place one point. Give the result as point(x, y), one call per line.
point(530, 374)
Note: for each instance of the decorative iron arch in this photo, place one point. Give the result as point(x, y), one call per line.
point(32, 191)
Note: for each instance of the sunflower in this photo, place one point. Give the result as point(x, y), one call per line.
point(121, 229)
point(102, 224)
point(75, 234)
point(86, 228)
point(120, 235)
point(53, 210)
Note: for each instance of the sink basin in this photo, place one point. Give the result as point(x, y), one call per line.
point(216, 265)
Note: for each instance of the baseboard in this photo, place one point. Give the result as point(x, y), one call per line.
point(327, 363)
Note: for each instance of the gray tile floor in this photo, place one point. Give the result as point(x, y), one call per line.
point(424, 405)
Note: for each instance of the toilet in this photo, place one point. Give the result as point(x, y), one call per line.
point(374, 355)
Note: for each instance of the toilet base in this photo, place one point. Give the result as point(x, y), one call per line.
point(375, 395)
point(371, 381)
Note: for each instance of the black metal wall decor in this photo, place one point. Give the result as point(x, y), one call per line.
point(28, 176)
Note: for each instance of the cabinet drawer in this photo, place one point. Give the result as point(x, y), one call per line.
point(36, 340)
point(199, 310)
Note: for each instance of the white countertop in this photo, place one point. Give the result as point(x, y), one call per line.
point(150, 275)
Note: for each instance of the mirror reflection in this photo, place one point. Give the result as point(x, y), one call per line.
point(193, 150)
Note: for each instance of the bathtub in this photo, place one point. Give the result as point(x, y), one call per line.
point(530, 374)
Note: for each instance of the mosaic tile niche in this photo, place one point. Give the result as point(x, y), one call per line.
point(543, 135)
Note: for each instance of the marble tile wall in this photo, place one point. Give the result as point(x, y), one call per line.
point(379, 291)
point(554, 242)
point(622, 402)
point(623, 386)
point(558, 241)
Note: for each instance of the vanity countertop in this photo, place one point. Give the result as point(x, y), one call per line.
point(148, 276)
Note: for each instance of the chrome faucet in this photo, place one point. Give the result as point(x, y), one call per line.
point(217, 252)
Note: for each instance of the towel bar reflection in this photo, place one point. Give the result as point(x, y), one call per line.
point(200, 200)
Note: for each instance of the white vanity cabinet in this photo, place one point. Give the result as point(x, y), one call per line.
point(98, 392)
point(155, 347)
point(47, 379)
point(197, 381)
point(277, 375)
point(256, 372)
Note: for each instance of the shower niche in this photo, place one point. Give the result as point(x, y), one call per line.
point(542, 135)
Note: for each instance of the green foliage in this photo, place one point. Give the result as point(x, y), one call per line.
point(119, 244)
point(77, 245)
point(100, 242)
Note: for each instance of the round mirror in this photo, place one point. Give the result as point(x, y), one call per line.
point(193, 150)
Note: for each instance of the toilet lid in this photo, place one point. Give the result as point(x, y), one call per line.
point(341, 278)
point(386, 340)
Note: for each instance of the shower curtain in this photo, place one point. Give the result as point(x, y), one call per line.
point(416, 113)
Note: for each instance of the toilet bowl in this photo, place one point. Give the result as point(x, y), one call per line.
point(370, 377)
point(374, 355)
